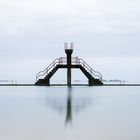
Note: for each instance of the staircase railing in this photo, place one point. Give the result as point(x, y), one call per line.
point(79, 61)
point(91, 70)
point(63, 61)
point(57, 61)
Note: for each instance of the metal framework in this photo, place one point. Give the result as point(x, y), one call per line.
point(62, 61)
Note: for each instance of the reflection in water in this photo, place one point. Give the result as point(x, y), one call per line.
point(69, 104)
point(69, 107)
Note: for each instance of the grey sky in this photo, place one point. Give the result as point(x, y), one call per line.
point(35, 30)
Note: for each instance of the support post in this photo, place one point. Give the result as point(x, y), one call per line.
point(69, 52)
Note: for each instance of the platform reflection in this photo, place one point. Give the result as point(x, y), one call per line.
point(69, 104)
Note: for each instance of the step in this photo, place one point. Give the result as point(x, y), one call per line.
point(95, 81)
point(42, 82)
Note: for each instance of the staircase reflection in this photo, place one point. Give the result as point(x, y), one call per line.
point(70, 104)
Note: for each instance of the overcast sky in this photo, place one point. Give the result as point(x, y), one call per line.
point(32, 33)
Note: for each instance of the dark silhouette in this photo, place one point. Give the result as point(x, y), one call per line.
point(69, 53)
point(43, 77)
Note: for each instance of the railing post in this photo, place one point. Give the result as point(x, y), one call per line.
point(59, 60)
point(76, 59)
point(84, 63)
point(53, 64)
point(91, 70)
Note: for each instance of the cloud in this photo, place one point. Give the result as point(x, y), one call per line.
point(97, 27)
point(70, 17)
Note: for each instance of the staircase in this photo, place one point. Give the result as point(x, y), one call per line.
point(43, 77)
point(92, 80)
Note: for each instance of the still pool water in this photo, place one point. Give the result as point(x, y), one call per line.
point(77, 113)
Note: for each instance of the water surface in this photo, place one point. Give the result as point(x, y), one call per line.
point(61, 113)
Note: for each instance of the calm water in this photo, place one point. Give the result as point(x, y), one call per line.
point(77, 113)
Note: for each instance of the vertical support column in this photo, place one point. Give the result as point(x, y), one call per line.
point(69, 69)
point(69, 52)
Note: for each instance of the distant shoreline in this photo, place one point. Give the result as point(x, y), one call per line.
point(71, 85)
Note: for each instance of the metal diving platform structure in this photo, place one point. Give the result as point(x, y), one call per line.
point(69, 63)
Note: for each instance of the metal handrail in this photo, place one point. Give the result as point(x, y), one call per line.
point(74, 60)
point(71, 46)
point(90, 70)
point(79, 61)
point(41, 73)
point(57, 61)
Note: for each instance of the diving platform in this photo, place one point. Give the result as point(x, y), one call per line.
point(43, 77)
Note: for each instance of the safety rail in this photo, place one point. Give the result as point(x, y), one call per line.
point(57, 61)
point(90, 70)
point(71, 46)
point(63, 61)
point(79, 61)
